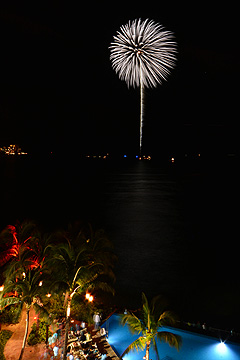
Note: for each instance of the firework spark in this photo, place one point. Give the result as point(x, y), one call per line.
point(142, 54)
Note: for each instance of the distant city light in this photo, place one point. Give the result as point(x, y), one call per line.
point(105, 156)
point(12, 150)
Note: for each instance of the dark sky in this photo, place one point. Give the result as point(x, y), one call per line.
point(59, 92)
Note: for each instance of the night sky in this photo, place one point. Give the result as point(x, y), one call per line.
point(60, 94)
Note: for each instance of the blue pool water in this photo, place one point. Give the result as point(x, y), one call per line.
point(194, 346)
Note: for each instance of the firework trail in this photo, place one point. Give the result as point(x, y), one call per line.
point(142, 54)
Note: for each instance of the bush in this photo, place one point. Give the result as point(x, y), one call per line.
point(10, 315)
point(38, 336)
point(33, 338)
point(4, 337)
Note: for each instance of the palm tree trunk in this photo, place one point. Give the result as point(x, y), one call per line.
point(47, 327)
point(66, 298)
point(147, 351)
point(25, 335)
point(67, 328)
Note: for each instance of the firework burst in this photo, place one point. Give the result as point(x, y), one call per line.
point(142, 51)
point(142, 54)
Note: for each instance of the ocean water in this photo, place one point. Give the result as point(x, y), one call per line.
point(174, 226)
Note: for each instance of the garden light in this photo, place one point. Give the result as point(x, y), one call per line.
point(89, 297)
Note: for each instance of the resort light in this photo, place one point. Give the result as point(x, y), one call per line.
point(1, 287)
point(40, 283)
point(221, 347)
point(49, 295)
point(89, 297)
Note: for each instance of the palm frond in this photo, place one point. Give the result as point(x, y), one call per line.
point(167, 318)
point(7, 301)
point(133, 322)
point(146, 312)
point(58, 286)
point(158, 305)
point(138, 344)
point(9, 286)
point(101, 285)
point(170, 338)
point(5, 256)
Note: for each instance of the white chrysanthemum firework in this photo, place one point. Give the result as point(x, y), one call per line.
point(143, 53)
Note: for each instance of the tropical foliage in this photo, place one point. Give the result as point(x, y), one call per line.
point(53, 272)
point(149, 326)
point(10, 315)
point(16, 240)
point(82, 261)
point(25, 284)
point(38, 333)
point(4, 337)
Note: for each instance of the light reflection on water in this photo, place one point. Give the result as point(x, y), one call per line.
point(144, 218)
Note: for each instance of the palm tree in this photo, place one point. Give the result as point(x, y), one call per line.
point(18, 239)
point(148, 326)
point(26, 283)
point(23, 261)
point(79, 264)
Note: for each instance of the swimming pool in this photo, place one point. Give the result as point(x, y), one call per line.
point(194, 346)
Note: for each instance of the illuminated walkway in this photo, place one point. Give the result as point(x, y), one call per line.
point(13, 346)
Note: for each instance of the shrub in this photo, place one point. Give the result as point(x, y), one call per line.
point(38, 336)
point(4, 337)
point(33, 338)
point(10, 315)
